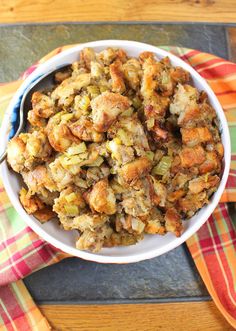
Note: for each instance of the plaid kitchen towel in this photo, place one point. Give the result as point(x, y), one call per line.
point(212, 247)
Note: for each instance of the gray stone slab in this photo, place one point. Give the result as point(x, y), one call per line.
point(23, 45)
point(169, 277)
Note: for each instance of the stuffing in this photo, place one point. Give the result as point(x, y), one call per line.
point(60, 175)
point(111, 54)
point(132, 72)
point(195, 136)
point(129, 223)
point(185, 104)
point(39, 179)
point(89, 221)
point(198, 184)
point(158, 191)
point(121, 154)
point(85, 221)
point(155, 223)
point(130, 132)
point(192, 202)
point(155, 107)
point(151, 70)
point(106, 108)
point(37, 146)
point(212, 163)
point(121, 239)
point(94, 174)
point(30, 202)
point(118, 148)
point(15, 154)
point(33, 205)
point(101, 198)
point(94, 240)
point(191, 156)
point(27, 150)
point(86, 56)
point(173, 222)
point(175, 195)
point(70, 203)
point(59, 133)
point(117, 77)
point(36, 120)
point(64, 93)
point(136, 169)
point(137, 200)
point(170, 77)
point(84, 130)
point(45, 214)
point(42, 104)
point(62, 75)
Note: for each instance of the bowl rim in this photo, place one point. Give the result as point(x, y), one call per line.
point(89, 255)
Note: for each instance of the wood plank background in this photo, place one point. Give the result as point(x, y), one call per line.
point(12, 11)
point(194, 316)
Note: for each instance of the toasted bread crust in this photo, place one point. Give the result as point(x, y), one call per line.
point(105, 109)
point(132, 171)
point(102, 198)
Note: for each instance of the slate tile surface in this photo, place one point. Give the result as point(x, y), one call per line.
point(23, 45)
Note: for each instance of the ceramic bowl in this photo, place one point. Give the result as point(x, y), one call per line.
point(152, 245)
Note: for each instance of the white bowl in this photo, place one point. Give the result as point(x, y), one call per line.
point(152, 245)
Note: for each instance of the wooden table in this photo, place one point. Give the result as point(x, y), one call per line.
point(191, 316)
point(12, 11)
point(163, 316)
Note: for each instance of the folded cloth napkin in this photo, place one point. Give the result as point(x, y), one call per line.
point(212, 247)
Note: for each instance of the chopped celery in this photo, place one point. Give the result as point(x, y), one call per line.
point(96, 69)
point(150, 123)
point(77, 149)
point(81, 183)
point(84, 156)
point(59, 115)
point(113, 145)
point(137, 225)
point(117, 188)
point(165, 79)
point(71, 209)
point(117, 140)
point(84, 103)
point(137, 103)
point(67, 161)
point(127, 113)
point(70, 197)
point(74, 169)
point(158, 155)
point(124, 137)
point(108, 146)
point(163, 166)
point(206, 177)
point(112, 171)
point(78, 113)
point(66, 117)
point(103, 88)
point(150, 155)
point(93, 90)
point(97, 162)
